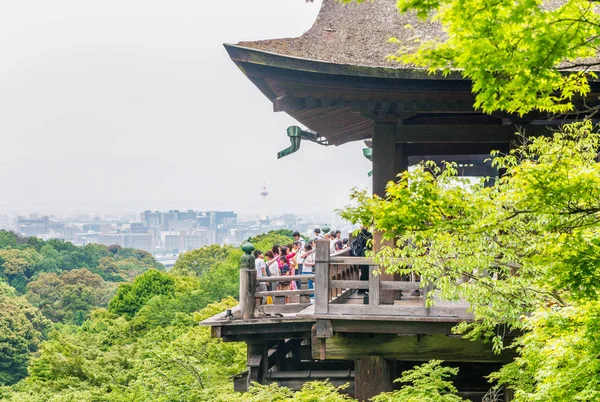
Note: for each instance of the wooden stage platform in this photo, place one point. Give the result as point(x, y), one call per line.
point(353, 329)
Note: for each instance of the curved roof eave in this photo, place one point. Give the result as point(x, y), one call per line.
point(241, 54)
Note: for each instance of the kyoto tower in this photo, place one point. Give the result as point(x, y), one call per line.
point(264, 193)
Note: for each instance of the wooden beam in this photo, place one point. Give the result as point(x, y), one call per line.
point(409, 348)
point(464, 133)
point(343, 297)
point(458, 312)
point(285, 292)
point(288, 103)
point(399, 285)
point(352, 260)
point(282, 308)
point(392, 327)
point(348, 284)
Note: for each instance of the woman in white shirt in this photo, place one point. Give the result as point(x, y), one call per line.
point(309, 264)
point(261, 266)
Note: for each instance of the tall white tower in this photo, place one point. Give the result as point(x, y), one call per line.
point(264, 193)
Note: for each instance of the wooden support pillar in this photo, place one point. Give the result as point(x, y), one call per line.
point(384, 150)
point(387, 160)
point(322, 277)
point(257, 360)
point(372, 376)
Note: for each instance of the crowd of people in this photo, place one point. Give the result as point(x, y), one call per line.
point(297, 258)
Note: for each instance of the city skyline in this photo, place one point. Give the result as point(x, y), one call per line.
point(165, 233)
point(117, 107)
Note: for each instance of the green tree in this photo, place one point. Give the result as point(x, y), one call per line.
point(70, 297)
point(104, 360)
point(7, 239)
point(199, 261)
point(310, 392)
point(22, 328)
point(525, 253)
point(131, 297)
point(428, 382)
point(17, 266)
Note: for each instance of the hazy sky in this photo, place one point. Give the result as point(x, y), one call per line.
point(113, 105)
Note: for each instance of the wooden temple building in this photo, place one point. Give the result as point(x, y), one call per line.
point(336, 81)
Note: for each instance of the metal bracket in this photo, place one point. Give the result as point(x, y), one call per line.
point(296, 134)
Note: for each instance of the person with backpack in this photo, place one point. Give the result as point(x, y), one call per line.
point(358, 248)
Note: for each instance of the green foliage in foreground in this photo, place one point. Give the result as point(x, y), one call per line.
point(525, 253)
point(311, 392)
point(107, 359)
point(266, 241)
point(428, 382)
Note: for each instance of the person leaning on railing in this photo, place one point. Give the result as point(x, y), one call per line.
point(261, 270)
point(285, 271)
point(308, 266)
point(272, 267)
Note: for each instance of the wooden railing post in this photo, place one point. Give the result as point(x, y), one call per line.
point(374, 279)
point(247, 282)
point(322, 277)
point(427, 289)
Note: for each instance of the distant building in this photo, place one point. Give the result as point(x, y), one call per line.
point(220, 218)
point(187, 225)
point(150, 218)
point(33, 226)
point(144, 242)
point(181, 241)
point(187, 215)
point(138, 228)
point(92, 227)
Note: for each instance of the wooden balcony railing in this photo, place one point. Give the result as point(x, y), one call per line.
point(407, 305)
point(336, 280)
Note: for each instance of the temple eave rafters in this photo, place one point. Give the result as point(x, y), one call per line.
point(343, 103)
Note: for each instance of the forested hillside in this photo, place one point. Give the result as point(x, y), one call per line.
point(100, 323)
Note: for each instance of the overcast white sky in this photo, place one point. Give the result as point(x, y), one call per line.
point(113, 105)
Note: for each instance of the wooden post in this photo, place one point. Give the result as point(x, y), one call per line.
point(322, 277)
point(256, 360)
point(374, 286)
point(247, 282)
point(386, 296)
point(384, 149)
point(372, 377)
point(303, 298)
